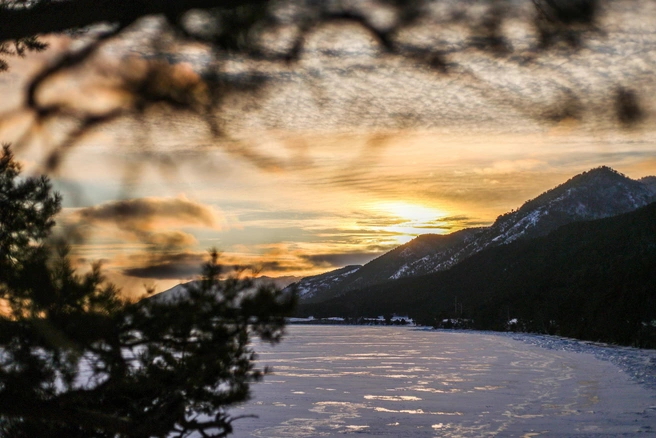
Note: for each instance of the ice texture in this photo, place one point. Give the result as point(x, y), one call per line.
point(405, 382)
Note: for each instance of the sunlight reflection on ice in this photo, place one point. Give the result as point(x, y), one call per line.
point(366, 381)
point(357, 428)
point(392, 397)
point(404, 411)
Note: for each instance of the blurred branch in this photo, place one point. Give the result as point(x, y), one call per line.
point(249, 31)
point(61, 16)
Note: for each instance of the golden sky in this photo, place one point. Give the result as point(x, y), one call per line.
point(342, 156)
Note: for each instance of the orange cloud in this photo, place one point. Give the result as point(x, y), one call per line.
point(510, 166)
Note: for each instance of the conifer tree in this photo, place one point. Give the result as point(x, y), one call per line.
point(76, 360)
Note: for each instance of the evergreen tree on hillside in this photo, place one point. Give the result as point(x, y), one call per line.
point(78, 361)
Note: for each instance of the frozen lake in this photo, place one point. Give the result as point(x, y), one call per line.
point(404, 382)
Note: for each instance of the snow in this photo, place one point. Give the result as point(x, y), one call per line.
point(400, 382)
point(172, 295)
point(309, 287)
point(300, 320)
point(400, 273)
point(520, 227)
point(352, 271)
point(638, 364)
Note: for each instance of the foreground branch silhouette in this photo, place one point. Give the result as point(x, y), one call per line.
point(78, 361)
point(275, 35)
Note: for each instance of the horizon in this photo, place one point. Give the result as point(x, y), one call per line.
point(289, 279)
point(324, 169)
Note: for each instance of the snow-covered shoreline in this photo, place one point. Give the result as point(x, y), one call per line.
point(638, 363)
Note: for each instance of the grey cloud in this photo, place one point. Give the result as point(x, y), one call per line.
point(341, 259)
point(169, 266)
point(381, 248)
point(433, 227)
point(458, 218)
point(144, 219)
point(451, 222)
point(170, 239)
point(275, 266)
point(142, 213)
point(189, 265)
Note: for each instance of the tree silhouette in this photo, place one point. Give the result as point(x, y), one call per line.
point(78, 361)
point(27, 208)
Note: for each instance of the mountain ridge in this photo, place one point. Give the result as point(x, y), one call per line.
point(594, 194)
point(179, 291)
point(589, 280)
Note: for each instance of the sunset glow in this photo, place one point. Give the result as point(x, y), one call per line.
point(344, 156)
point(412, 219)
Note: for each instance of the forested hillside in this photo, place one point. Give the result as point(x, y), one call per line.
point(592, 280)
point(595, 194)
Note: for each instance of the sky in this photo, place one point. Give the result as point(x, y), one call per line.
point(341, 157)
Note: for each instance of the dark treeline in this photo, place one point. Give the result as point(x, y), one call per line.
point(591, 280)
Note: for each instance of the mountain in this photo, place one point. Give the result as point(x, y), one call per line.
point(650, 182)
point(389, 266)
point(591, 280)
point(280, 282)
point(319, 287)
point(180, 291)
point(599, 193)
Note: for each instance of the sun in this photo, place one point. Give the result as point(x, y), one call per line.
point(412, 213)
point(409, 219)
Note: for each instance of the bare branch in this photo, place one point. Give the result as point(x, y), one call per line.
point(62, 16)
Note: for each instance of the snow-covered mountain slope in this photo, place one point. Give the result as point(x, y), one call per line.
point(180, 291)
point(598, 193)
point(318, 287)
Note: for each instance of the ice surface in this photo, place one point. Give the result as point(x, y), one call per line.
point(404, 382)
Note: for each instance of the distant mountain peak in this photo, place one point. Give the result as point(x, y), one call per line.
point(597, 193)
point(604, 170)
point(600, 174)
point(180, 291)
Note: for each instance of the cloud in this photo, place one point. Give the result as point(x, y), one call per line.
point(510, 166)
point(187, 265)
point(146, 214)
point(341, 259)
point(381, 248)
point(275, 266)
point(171, 239)
point(457, 218)
point(168, 266)
point(147, 219)
point(453, 222)
point(433, 227)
